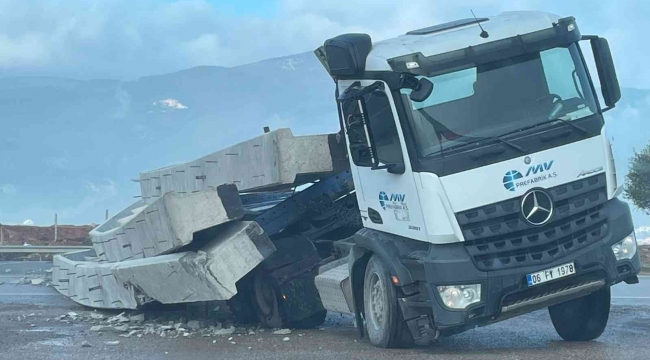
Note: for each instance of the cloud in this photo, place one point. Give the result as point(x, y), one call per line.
point(126, 39)
point(28, 222)
point(8, 189)
point(170, 104)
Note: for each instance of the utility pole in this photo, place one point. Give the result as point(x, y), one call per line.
point(106, 215)
point(2, 235)
point(56, 227)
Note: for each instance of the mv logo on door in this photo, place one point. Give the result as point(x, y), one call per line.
point(397, 203)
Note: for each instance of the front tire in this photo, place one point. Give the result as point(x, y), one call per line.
point(384, 323)
point(584, 318)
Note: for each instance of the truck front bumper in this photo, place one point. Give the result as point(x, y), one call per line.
point(505, 293)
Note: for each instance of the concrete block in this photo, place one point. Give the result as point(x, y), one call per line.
point(209, 274)
point(143, 230)
point(271, 161)
point(90, 283)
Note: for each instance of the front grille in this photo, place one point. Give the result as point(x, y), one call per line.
point(498, 237)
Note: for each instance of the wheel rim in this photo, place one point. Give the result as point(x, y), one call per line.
point(377, 302)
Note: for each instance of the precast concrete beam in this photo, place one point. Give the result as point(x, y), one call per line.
point(271, 161)
point(205, 275)
point(144, 230)
point(90, 283)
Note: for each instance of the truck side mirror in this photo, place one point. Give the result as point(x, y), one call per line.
point(606, 71)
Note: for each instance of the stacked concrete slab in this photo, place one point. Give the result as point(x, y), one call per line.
point(146, 252)
point(207, 274)
point(270, 161)
point(82, 278)
point(145, 230)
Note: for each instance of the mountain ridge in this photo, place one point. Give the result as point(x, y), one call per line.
point(72, 146)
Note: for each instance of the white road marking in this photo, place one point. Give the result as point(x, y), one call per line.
point(630, 297)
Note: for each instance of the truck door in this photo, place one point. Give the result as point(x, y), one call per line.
point(383, 178)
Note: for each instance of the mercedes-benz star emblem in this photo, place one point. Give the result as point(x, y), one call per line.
point(537, 207)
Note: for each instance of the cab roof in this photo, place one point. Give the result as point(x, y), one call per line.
point(457, 35)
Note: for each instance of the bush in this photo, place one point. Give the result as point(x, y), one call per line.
point(637, 181)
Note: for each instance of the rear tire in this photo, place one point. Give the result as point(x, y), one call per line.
point(384, 322)
point(266, 300)
point(584, 318)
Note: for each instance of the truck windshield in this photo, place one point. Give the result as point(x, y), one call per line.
point(499, 97)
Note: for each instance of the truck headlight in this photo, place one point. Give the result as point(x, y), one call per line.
point(626, 248)
point(460, 296)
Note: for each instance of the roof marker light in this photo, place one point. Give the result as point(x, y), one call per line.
point(412, 65)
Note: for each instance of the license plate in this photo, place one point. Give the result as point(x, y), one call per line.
point(550, 274)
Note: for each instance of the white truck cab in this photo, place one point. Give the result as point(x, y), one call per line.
point(483, 176)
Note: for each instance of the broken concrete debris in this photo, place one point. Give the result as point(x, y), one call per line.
point(121, 328)
point(282, 332)
point(222, 332)
point(120, 318)
point(194, 324)
point(97, 316)
point(85, 344)
point(136, 317)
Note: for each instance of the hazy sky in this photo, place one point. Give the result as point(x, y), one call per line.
point(126, 39)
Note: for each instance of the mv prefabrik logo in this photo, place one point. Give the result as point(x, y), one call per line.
point(536, 173)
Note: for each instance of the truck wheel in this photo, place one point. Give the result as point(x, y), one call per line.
point(383, 317)
point(266, 301)
point(584, 318)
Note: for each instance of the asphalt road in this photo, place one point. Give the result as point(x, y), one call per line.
point(39, 336)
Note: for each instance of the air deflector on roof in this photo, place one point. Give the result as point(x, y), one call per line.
point(446, 26)
point(345, 55)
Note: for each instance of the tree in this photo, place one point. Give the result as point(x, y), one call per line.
point(637, 180)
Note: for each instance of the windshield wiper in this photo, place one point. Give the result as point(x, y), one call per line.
point(570, 123)
point(509, 143)
point(474, 140)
